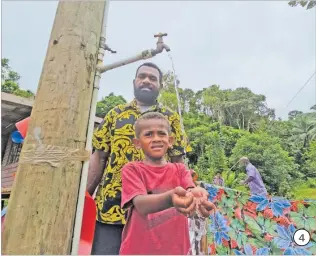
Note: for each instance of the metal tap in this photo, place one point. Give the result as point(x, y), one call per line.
point(147, 54)
point(160, 44)
point(107, 48)
point(104, 46)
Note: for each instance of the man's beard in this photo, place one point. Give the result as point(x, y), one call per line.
point(146, 97)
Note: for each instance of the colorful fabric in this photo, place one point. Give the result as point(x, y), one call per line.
point(162, 233)
point(197, 231)
point(258, 225)
point(114, 136)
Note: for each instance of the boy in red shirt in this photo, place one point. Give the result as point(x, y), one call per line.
point(158, 195)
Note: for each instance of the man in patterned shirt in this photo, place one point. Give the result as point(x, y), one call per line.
point(113, 148)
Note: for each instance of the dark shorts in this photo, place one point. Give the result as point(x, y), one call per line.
point(107, 239)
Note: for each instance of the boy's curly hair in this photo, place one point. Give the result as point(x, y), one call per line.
point(150, 116)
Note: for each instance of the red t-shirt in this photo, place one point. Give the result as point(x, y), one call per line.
point(164, 232)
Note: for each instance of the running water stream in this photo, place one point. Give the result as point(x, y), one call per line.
point(177, 91)
point(197, 224)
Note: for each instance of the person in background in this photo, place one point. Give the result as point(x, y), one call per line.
point(113, 148)
point(218, 180)
point(254, 180)
point(158, 196)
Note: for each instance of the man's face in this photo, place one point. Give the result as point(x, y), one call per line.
point(147, 85)
point(243, 163)
point(154, 138)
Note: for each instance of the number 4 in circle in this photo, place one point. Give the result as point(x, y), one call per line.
point(301, 237)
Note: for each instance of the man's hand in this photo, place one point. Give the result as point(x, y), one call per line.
point(242, 182)
point(183, 201)
point(96, 168)
point(249, 179)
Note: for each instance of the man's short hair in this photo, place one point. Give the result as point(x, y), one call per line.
point(150, 116)
point(151, 65)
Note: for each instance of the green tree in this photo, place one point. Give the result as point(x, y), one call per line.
point(7, 73)
point(232, 180)
point(240, 108)
point(275, 165)
point(213, 99)
point(310, 163)
point(199, 138)
point(213, 160)
point(294, 113)
point(10, 81)
point(230, 123)
point(303, 130)
point(168, 96)
point(226, 124)
point(198, 107)
point(9, 87)
point(307, 4)
point(245, 109)
point(24, 93)
point(107, 103)
point(169, 99)
point(230, 136)
point(187, 97)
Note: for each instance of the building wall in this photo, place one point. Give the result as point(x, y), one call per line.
point(7, 170)
point(6, 151)
point(4, 140)
point(7, 175)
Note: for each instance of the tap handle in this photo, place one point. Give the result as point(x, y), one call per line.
point(107, 48)
point(160, 35)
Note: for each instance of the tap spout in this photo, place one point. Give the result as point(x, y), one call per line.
point(160, 44)
point(147, 54)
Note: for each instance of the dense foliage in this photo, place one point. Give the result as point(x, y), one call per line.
point(10, 81)
point(224, 125)
point(107, 103)
point(305, 4)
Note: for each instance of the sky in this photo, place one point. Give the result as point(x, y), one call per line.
point(267, 46)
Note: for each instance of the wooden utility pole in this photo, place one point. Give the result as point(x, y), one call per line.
point(42, 205)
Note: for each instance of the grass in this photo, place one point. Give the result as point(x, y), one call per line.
point(305, 193)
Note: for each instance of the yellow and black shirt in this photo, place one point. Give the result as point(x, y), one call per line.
point(114, 136)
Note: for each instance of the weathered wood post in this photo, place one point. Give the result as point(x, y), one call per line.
point(43, 201)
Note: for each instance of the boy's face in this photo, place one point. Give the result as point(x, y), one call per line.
point(154, 138)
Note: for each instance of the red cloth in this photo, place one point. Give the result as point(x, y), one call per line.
point(165, 232)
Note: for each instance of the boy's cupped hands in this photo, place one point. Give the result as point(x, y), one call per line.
point(192, 202)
